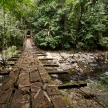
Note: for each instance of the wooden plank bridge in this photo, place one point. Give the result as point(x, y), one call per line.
point(29, 85)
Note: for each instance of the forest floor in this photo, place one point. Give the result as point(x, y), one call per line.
point(33, 81)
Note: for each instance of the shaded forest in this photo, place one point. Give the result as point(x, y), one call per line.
point(56, 24)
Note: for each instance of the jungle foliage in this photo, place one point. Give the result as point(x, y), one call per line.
point(81, 24)
point(14, 17)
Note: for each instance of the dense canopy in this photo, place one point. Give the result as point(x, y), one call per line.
point(79, 24)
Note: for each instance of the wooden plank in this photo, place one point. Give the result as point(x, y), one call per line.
point(51, 65)
point(45, 58)
point(10, 80)
point(53, 90)
point(5, 96)
point(34, 77)
point(5, 72)
point(3, 105)
point(13, 59)
point(25, 67)
point(33, 68)
point(41, 54)
point(36, 86)
point(23, 80)
point(45, 77)
point(20, 100)
point(39, 100)
point(58, 101)
point(41, 69)
point(11, 63)
point(57, 72)
point(70, 85)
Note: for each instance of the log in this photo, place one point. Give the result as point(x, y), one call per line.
point(51, 65)
point(45, 58)
point(69, 85)
point(41, 54)
point(57, 72)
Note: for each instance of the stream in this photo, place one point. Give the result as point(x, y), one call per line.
point(80, 66)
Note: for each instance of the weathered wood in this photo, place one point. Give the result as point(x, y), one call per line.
point(25, 67)
point(69, 85)
point(41, 69)
point(16, 57)
point(40, 101)
point(45, 58)
point(3, 105)
point(51, 65)
point(5, 72)
point(45, 77)
point(41, 54)
point(37, 52)
point(53, 90)
point(57, 72)
point(23, 80)
point(10, 80)
point(13, 59)
point(20, 100)
point(59, 102)
point(33, 68)
point(34, 77)
point(5, 96)
point(35, 86)
point(11, 63)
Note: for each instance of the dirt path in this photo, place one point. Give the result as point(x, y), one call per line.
point(29, 85)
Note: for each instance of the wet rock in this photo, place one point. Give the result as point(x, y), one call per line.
point(89, 61)
point(67, 63)
point(103, 98)
point(65, 67)
point(69, 60)
point(58, 81)
point(1, 84)
point(54, 75)
point(85, 66)
point(73, 71)
point(106, 73)
point(92, 65)
point(80, 70)
point(60, 60)
point(49, 55)
point(75, 65)
point(59, 69)
point(1, 76)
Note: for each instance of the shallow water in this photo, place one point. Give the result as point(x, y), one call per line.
point(90, 69)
